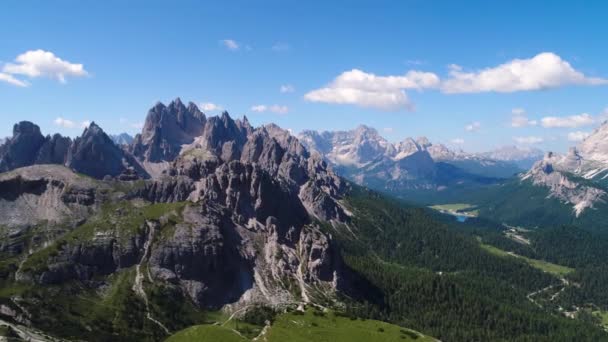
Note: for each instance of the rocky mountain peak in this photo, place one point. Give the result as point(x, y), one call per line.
point(122, 139)
point(555, 172)
point(26, 128)
point(21, 149)
point(166, 129)
point(423, 142)
point(595, 146)
point(95, 154)
point(92, 130)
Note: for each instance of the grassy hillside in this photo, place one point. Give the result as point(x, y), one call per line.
point(207, 333)
point(312, 325)
point(557, 270)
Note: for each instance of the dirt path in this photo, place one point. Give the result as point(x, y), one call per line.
point(138, 286)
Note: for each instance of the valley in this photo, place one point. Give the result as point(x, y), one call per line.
point(242, 234)
point(277, 171)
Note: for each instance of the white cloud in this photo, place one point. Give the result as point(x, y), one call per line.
point(259, 108)
point(277, 109)
point(65, 123)
point(543, 71)
point(388, 129)
point(40, 63)
point(10, 79)
point(287, 88)
point(577, 136)
point(457, 141)
point(230, 44)
point(571, 121)
point(520, 119)
point(473, 126)
point(364, 89)
point(123, 120)
point(279, 47)
point(210, 107)
point(528, 140)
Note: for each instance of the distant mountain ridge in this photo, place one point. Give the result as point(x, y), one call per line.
point(560, 189)
point(364, 156)
point(122, 139)
point(578, 177)
point(524, 157)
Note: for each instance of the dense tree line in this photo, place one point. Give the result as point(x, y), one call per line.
point(423, 274)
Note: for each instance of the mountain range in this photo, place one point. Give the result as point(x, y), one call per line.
point(412, 165)
point(207, 221)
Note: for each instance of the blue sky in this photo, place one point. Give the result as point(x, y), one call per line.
point(117, 58)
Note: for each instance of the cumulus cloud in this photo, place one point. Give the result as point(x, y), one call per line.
point(259, 108)
point(577, 136)
point(230, 44)
point(67, 123)
point(357, 87)
point(528, 140)
point(277, 109)
point(210, 107)
point(40, 63)
point(520, 119)
point(287, 88)
point(473, 126)
point(457, 141)
point(571, 121)
point(12, 80)
point(543, 71)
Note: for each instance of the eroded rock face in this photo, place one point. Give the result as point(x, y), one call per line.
point(54, 150)
point(22, 148)
point(555, 173)
point(95, 154)
point(166, 129)
point(247, 229)
point(44, 193)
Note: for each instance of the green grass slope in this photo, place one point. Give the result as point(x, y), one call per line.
point(312, 325)
point(211, 333)
point(329, 327)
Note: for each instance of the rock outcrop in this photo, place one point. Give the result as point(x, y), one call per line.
point(555, 173)
point(95, 154)
point(166, 129)
point(235, 220)
point(22, 148)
